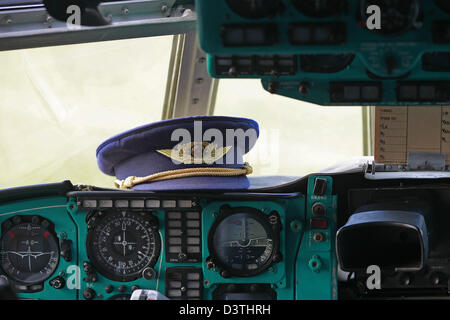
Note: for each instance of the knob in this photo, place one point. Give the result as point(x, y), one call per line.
point(57, 282)
point(66, 250)
point(149, 274)
point(318, 209)
point(315, 264)
point(87, 267)
point(304, 88)
point(90, 272)
point(89, 294)
point(122, 288)
point(210, 265)
point(318, 237)
point(109, 288)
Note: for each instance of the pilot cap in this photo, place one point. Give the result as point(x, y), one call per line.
point(192, 153)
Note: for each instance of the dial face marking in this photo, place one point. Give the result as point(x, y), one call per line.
point(122, 244)
point(29, 253)
point(243, 242)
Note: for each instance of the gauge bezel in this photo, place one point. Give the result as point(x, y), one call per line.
point(93, 223)
point(270, 222)
point(24, 220)
point(273, 9)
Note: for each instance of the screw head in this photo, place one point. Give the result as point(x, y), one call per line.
point(149, 273)
point(318, 237)
point(57, 282)
point(304, 88)
point(89, 294)
point(210, 265)
point(109, 288)
point(272, 87)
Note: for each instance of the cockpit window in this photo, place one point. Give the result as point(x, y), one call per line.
point(57, 104)
point(297, 138)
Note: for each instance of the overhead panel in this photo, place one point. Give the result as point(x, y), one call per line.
point(333, 52)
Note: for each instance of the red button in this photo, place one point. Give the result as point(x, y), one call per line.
point(319, 224)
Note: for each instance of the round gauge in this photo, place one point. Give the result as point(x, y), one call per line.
point(397, 16)
point(244, 241)
point(325, 63)
point(254, 9)
point(30, 251)
point(121, 245)
point(319, 8)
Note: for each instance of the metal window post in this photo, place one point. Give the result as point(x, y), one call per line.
point(368, 132)
point(190, 89)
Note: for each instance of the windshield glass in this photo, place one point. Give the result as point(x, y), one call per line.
point(57, 104)
point(297, 138)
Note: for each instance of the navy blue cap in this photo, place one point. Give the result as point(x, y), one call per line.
point(148, 150)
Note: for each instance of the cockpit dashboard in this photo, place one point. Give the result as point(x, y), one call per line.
point(61, 241)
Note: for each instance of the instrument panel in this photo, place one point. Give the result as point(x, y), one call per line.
point(307, 240)
point(333, 52)
point(65, 243)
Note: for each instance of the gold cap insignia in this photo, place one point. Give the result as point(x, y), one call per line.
point(196, 152)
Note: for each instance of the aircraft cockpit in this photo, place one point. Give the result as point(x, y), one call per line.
point(224, 149)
